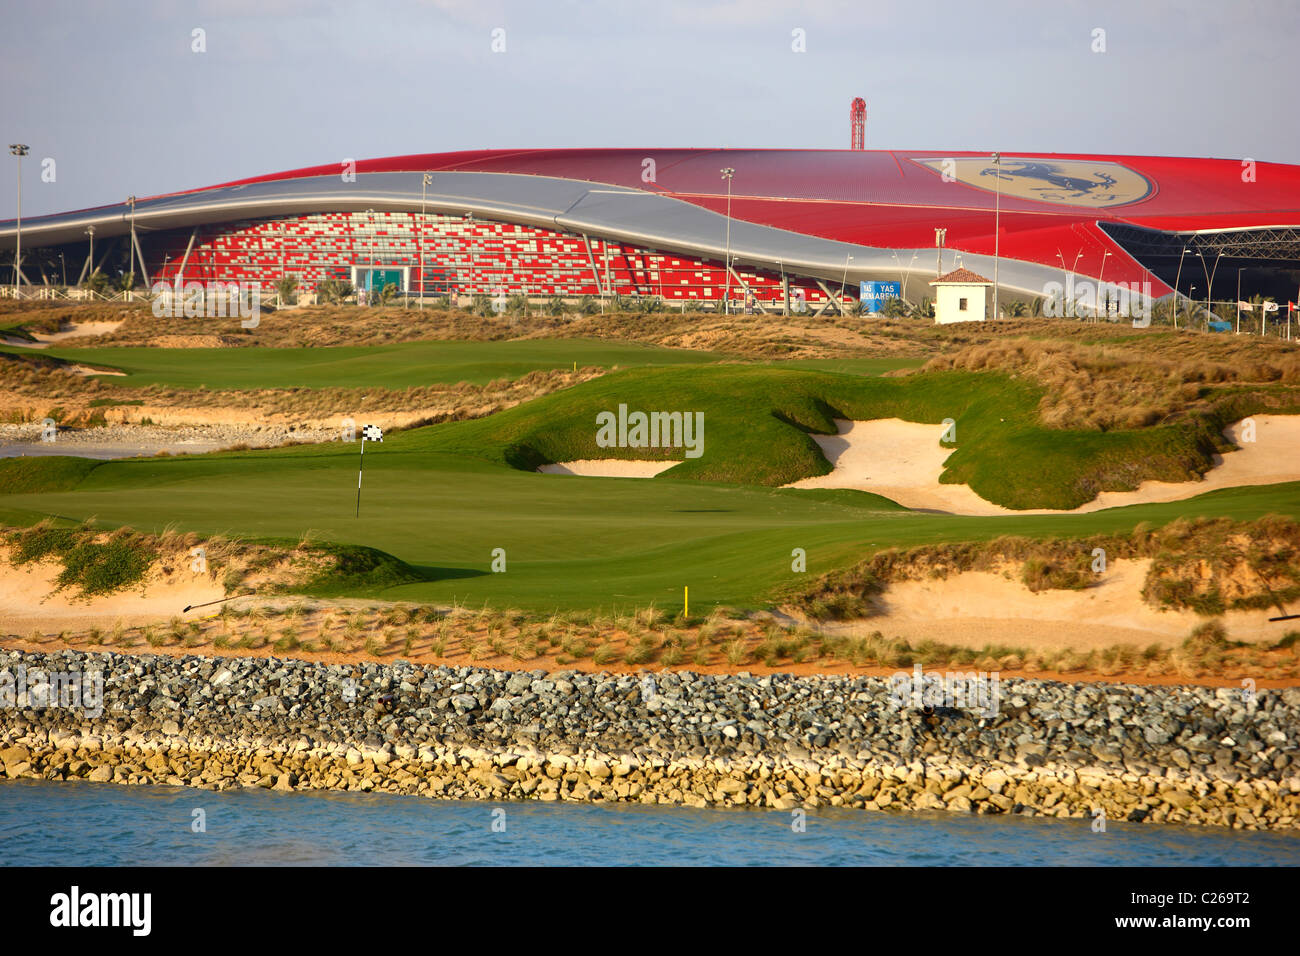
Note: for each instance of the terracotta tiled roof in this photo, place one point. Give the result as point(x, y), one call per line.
point(963, 275)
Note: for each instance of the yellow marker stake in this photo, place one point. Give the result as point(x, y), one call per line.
point(686, 594)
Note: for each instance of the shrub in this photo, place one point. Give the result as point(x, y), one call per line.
point(1206, 636)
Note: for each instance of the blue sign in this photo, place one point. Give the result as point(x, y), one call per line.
point(874, 294)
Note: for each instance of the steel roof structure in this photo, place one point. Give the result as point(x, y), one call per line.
point(814, 212)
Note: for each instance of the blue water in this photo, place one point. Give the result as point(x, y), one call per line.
point(43, 823)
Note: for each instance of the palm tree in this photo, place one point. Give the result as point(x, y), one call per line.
point(286, 288)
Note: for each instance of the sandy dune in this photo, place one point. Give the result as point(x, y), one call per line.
point(608, 468)
point(903, 460)
point(975, 608)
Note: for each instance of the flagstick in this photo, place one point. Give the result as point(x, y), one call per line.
point(360, 466)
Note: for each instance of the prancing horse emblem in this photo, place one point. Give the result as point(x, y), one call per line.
point(1070, 182)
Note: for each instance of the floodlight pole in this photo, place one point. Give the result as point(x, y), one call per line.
point(727, 173)
point(997, 225)
point(939, 236)
point(90, 230)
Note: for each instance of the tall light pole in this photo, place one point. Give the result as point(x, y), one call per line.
point(428, 178)
point(939, 236)
point(64, 266)
point(1239, 300)
point(843, 279)
point(1209, 280)
point(370, 276)
point(1191, 301)
point(1101, 287)
point(469, 241)
point(785, 289)
point(902, 274)
point(90, 230)
point(1178, 276)
point(20, 150)
point(1067, 273)
point(997, 221)
point(130, 253)
point(727, 173)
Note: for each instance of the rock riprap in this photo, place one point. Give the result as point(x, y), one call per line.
point(1158, 754)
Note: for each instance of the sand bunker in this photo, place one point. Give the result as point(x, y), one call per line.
point(975, 608)
point(28, 600)
point(903, 460)
point(608, 468)
point(74, 330)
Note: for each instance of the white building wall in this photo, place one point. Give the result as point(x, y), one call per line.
point(947, 303)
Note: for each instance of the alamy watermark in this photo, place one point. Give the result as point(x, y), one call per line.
point(40, 689)
point(195, 300)
point(979, 691)
point(1128, 300)
point(651, 430)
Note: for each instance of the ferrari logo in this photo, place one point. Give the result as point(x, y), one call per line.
point(1066, 182)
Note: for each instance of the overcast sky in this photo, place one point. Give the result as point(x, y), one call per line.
point(113, 92)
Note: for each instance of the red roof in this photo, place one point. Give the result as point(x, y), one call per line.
point(964, 276)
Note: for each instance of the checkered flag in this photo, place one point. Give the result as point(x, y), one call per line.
point(368, 433)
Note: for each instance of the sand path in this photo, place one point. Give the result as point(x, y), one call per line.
point(903, 461)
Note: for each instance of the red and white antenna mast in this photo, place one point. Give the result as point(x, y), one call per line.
point(858, 123)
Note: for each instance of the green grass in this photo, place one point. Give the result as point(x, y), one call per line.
point(855, 366)
point(43, 474)
point(400, 365)
point(438, 500)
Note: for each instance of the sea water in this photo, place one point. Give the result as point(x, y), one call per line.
point(89, 824)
